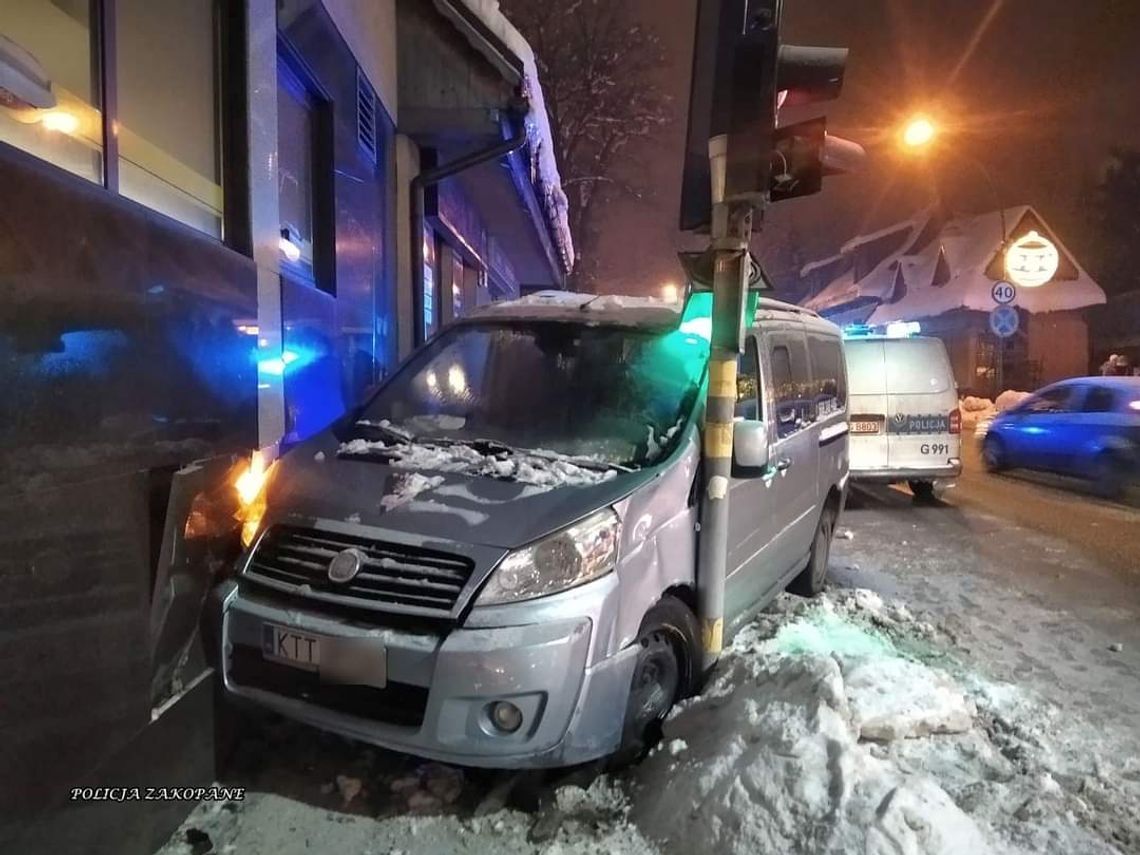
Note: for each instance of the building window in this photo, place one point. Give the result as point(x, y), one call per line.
point(296, 137)
point(61, 89)
point(50, 103)
point(431, 278)
point(167, 104)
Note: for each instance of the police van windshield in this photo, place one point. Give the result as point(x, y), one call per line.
point(614, 395)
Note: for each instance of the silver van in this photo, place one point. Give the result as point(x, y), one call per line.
point(491, 561)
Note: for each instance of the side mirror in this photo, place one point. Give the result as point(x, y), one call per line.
point(750, 444)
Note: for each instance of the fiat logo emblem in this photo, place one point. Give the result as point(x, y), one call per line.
point(344, 566)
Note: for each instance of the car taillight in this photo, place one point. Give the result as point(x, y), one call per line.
point(955, 421)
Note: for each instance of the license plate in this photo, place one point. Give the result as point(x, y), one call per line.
point(291, 647)
point(908, 424)
point(352, 661)
point(864, 426)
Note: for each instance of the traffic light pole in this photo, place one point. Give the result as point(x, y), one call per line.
point(731, 232)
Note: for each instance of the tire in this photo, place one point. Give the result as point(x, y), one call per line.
point(810, 581)
point(924, 491)
point(993, 454)
point(1110, 475)
point(667, 669)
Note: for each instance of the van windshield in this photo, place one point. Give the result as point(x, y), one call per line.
point(611, 395)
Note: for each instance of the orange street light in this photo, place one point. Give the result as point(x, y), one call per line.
point(919, 132)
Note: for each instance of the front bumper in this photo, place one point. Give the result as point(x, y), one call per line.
point(898, 476)
point(439, 686)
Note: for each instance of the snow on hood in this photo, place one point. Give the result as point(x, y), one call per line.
point(541, 139)
point(539, 468)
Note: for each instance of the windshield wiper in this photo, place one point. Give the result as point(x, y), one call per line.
point(387, 431)
point(581, 462)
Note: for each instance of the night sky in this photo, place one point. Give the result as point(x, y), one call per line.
point(1038, 90)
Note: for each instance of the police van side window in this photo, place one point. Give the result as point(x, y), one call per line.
point(748, 382)
point(828, 376)
point(791, 382)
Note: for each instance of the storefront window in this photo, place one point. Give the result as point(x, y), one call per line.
point(167, 109)
point(431, 266)
point(49, 84)
point(164, 79)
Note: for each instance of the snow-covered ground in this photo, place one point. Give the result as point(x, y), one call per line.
point(842, 724)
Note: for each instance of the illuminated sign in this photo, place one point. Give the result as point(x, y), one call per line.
point(1031, 260)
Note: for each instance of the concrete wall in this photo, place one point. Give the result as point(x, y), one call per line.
point(1060, 341)
point(369, 27)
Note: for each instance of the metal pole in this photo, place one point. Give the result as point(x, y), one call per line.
point(731, 232)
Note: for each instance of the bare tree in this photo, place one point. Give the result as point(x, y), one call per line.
point(597, 65)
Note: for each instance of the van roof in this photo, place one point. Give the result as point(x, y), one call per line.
point(572, 307)
point(770, 308)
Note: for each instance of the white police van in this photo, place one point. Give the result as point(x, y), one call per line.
point(905, 422)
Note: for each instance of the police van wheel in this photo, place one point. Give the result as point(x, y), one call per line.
point(924, 491)
point(666, 670)
point(810, 581)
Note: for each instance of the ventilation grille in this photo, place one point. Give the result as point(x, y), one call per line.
point(366, 116)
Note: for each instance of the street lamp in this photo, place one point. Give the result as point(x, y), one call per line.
point(669, 292)
point(919, 135)
point(919, 132)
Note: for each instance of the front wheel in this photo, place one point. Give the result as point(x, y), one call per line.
point(810, 581)
point(666, 671)
point(1110, 475)
point(993, 453)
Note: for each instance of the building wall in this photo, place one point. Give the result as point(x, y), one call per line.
point(121, 363)
point(369, 27)
point(1059, 341)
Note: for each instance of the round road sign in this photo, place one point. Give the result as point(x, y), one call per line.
point(1003, 293)
point(1004, 321)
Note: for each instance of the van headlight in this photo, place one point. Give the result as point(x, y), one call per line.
point(581, 553)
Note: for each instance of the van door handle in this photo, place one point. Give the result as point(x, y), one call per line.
point(783, 464)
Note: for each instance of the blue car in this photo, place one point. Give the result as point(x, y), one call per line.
point(1088, 427)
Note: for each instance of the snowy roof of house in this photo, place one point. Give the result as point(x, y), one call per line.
point(904, 282)
point(544, 166)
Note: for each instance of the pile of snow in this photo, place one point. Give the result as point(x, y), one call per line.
point(775, 760)
point(538, 468)
point(978, 412)
point(1009, 399)
point(592, 309)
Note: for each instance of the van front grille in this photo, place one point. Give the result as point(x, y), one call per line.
point(393, 577)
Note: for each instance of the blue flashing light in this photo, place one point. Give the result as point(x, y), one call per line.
point(858, 330)
point(275, 366)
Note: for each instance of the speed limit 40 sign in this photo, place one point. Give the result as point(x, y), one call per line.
point(1003, 293)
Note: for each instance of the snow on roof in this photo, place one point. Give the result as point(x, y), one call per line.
point(812, 266)
point(541, 138)
point(970, 244)
point(572, 307)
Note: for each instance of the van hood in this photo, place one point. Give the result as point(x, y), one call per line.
point(417, 495)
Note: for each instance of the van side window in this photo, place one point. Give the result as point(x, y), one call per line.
point(748, 382)
point(828, 376)
point(791, 382)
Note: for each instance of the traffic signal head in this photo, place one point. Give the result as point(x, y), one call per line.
point(742, 76)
